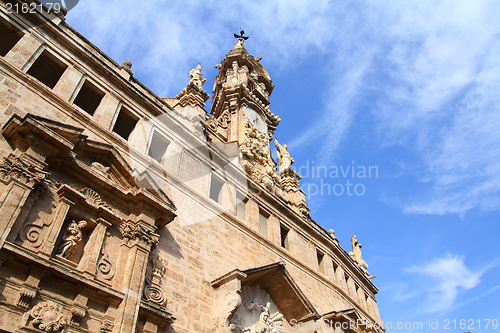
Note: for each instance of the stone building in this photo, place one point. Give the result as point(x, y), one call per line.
point(122, 211)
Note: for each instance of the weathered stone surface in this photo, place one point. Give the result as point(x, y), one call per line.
point(169, 246)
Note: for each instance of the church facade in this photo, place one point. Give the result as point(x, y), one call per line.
point(122, 211)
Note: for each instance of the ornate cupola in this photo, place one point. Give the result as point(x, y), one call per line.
point(241, 113)
point(242, 87)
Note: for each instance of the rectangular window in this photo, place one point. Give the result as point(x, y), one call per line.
point(89, 97)
point(321, 257)
point(9, 36)
point(47, 69)
point(158, 146)
point(215, 188)
point(284, 237)
point(241, 208)
point(263, 223)
point(125, 123)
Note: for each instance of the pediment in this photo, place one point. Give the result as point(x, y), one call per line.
point(282, 288)
point(68, 145)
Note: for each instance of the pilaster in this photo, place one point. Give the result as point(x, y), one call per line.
point(138, 239)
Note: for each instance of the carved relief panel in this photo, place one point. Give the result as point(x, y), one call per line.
point(257, 313)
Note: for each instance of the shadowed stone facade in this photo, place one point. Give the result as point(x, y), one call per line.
point(125, 212)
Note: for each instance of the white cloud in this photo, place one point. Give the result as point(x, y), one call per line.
point(400, 291)
point(166, 39)
point(442, 279)
point(430, 68)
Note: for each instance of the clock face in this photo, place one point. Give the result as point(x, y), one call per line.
point(256, 119)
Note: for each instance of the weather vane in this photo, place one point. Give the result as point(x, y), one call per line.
point(240, 36)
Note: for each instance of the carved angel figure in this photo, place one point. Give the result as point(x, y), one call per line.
point(196, 77)
point(72, 237)
point(285, 161)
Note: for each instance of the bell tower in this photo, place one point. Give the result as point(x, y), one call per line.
point(241, 92)
point(241, 113)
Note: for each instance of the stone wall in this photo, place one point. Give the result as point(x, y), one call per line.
point(152, 233)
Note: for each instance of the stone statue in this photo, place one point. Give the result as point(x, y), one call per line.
point(196, 77)
point(285, 161)
point(264, 324)
point(356, 248)
point(72, 237)
point(356, 254)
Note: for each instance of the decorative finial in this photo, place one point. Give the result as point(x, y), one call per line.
point(241, 39)
point(127, 66)
point(240, 36)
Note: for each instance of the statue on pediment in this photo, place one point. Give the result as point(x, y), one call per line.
point(196, 77)
point(356, 254)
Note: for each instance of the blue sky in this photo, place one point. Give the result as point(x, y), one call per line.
point(410, 87)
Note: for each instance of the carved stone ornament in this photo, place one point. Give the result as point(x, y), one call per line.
point(257, 313)
point(153, 290)
point(33, 234)
point(145, 236)
point(48, 317)
point(105, 268)
point(225, 310)
point(127, 66)
point(257, 158)
point(224, 119)
point(15, 168)
point(93, 198)
point(107, 326)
